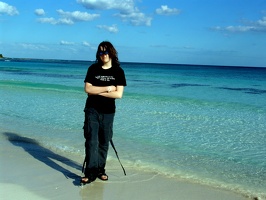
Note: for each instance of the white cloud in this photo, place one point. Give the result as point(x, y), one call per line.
point(39, 12)
point(256, 26)
point(77, 15)
point(69, 18)
point(62, 42)
point(111, 29)
point(84, 43)
point(127, 11)
point(49, 20)
point(260, 25)
point(234, 28)
point(66, 21)
point(7, 9)
point(164, 10)
point(135, 18)
point(122, 5)
point(262, 22)
point(29, 46)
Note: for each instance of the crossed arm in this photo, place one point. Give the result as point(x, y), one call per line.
point(115, 92)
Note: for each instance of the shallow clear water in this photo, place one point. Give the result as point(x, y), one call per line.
point(202, 123)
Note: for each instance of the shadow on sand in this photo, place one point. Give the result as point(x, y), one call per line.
point(45, 155)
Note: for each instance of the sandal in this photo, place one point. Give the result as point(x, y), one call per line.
point(103, 176)
point(85, 180)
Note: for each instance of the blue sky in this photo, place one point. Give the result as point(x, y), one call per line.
point(205, 32)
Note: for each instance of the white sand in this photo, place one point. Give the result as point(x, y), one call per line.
point(29, 172)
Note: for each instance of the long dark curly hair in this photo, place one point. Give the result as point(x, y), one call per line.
point(111, 51)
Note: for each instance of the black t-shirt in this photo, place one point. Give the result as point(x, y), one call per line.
point(97, 76)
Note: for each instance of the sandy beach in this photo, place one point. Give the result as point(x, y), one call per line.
point(30, 171)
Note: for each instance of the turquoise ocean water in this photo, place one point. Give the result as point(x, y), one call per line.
point(204, 124)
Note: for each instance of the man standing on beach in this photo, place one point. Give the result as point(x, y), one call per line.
point(104, 82)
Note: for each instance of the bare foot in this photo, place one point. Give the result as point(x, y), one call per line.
point(103, 177)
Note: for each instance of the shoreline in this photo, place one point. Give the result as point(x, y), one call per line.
point(31, 171)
